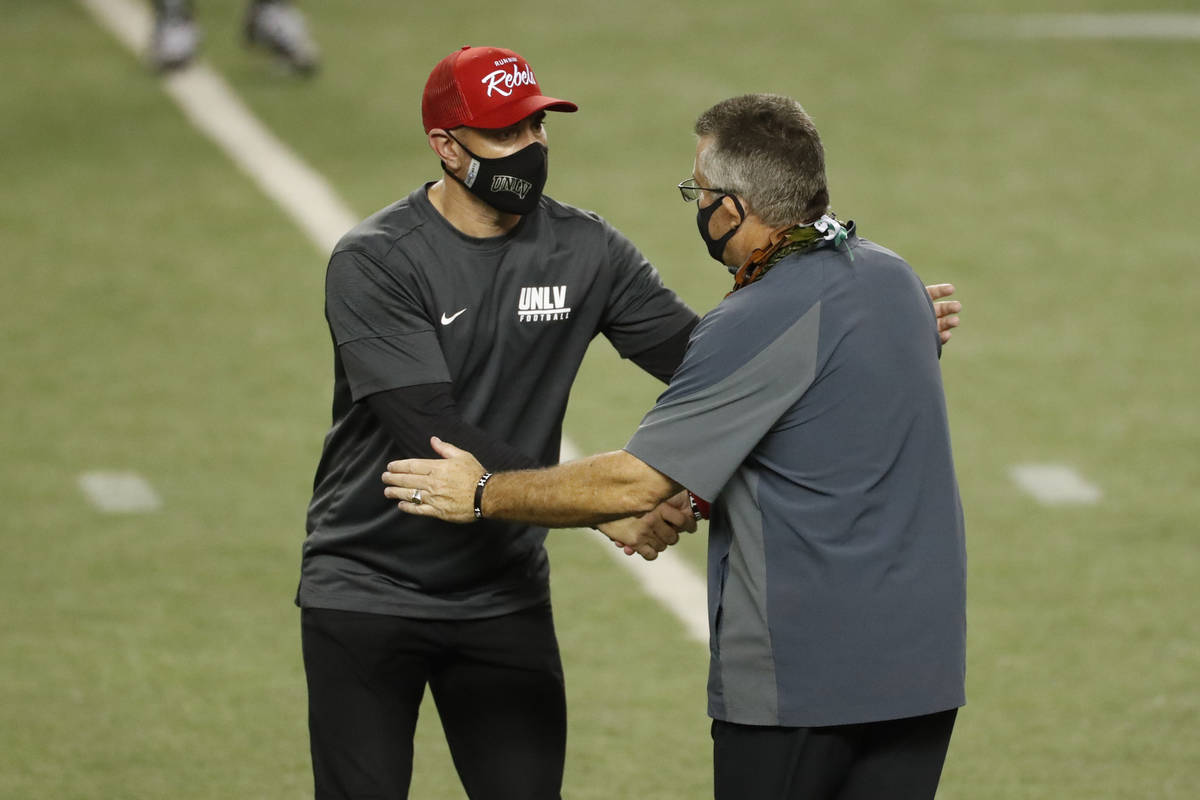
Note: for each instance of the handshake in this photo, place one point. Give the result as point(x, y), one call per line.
point(652, 532)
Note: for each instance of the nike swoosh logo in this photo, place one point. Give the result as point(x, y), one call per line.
point(446, 320)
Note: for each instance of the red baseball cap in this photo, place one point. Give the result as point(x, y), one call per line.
point(483, 87)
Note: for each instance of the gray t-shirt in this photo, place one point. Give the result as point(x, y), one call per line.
point(410, 300)
point(809, 408)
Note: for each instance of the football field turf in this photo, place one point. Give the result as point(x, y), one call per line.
point(163, 318)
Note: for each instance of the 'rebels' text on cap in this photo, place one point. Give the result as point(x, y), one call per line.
point(483, 87)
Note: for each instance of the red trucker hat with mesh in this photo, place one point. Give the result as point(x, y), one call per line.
point(483, 87)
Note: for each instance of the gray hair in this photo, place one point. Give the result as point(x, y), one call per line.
point(766, 150)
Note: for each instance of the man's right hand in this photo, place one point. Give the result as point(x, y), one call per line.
point(651, 533)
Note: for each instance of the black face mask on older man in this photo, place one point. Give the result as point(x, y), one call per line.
point(512, 184)
point(716, 247)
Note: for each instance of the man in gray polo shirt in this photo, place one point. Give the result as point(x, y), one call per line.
point(809, 410)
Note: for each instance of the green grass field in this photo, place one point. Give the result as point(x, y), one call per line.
point(163, 317)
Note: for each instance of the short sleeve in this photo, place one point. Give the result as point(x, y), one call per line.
point(641, 312)
point(731, 389)
point(383, 335)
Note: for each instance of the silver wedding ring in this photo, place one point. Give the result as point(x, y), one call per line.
point(416, 498)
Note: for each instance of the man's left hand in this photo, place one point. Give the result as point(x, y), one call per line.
point(946, 310)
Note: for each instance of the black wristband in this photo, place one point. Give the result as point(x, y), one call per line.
point(483, 479)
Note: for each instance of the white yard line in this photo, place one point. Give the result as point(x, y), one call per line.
point(1055, 484)
point(673, 582)
point(1143, 26)
point(211, 105)
point(669, 579)
point(119, 492)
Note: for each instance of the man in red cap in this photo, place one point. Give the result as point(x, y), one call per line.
point(463, 311)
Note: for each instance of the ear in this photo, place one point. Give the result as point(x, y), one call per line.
point(445, 147)
point(731, 208)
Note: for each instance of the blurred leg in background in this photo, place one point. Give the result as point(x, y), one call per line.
point(278, 26)
point(176, 36)
point(274, 25)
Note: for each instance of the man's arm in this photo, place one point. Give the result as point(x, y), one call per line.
point(412, 414)
point(585, 492)
point(589, 491)
point(664, 358)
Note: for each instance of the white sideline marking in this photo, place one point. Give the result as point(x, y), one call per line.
point(119, 492)
point(1162, 26)
point(669, 579)
point(313, 204)
point(211, 105)
point(1055, 484)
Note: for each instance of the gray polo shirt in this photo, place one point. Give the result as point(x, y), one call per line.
point(809, 409)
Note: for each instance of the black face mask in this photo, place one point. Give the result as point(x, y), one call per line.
point(512, 184)
point(716, 247)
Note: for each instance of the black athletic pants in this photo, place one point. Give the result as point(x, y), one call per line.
point(893, 760)
point(498, 687)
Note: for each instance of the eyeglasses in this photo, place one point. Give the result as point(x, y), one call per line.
point(691, 191)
